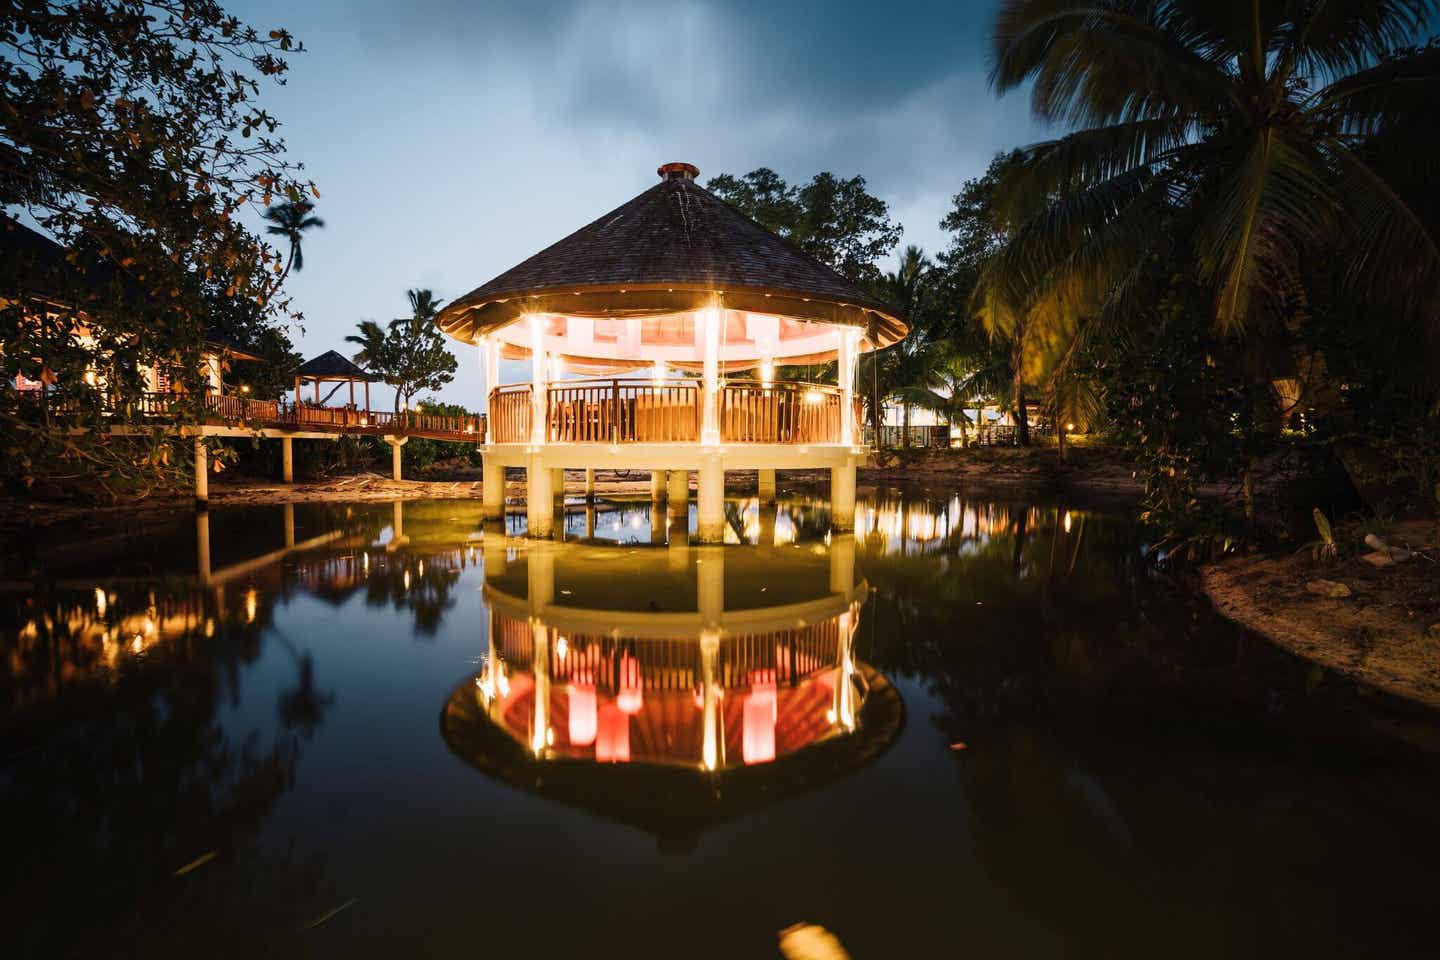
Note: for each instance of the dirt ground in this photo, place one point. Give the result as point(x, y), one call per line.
point(1385, 634)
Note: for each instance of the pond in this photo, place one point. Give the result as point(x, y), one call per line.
point(977, 726)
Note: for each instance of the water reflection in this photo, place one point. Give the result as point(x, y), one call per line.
point(683, 665)
point(1082, 743)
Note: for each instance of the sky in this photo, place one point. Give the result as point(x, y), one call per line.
point(451, 140)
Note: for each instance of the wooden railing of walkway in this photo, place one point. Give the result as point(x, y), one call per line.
point(243, 412)
point(644, 411)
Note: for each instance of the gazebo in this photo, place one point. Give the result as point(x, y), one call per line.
point(677, 309)
point(331, 367)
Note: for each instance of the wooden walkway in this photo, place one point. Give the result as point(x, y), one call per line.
point(271, 416)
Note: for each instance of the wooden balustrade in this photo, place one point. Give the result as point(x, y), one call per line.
point(510, 414)
point(780, 413)
point(623, 411)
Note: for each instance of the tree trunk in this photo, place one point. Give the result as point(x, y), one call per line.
point(905, 426)
point(1022, 421)
point(1060, 438)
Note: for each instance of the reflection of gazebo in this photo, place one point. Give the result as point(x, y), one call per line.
point(331, 367)
point(679, 716)
point(683, 308)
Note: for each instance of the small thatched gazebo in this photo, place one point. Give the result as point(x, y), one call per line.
point(673, 284)
point(331, 367)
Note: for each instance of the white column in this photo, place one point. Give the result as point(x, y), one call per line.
point(710, 700)
point(842, 563)
point(287, 459)
point(493, 477)
point(710, 502)
point(395, 444)
point(679, 489)
point(710, 586)
point(202, 471)
point(539, 499)
point(202, 546)
point(490, 362)
point(842, 496)
point(539, 380)
point(709, 320)
point(848, 358)
point(767, 485)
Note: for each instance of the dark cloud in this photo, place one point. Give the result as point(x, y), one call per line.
point(452, 139)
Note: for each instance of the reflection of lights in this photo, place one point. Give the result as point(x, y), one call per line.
point(405, 580)
point(99, 602)
point(252, 604)
point(562, 648)
point(1067, 521)
point(420, 569)
point(635, 522)
point(502, 683)
point(209, 627)
point(365, 563)
point(137, 644)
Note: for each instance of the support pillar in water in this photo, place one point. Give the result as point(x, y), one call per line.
point(657, 486)
point(539, 500)
point(287, 460)
point(202, 472)
point(842, 497)
point(589, 484)
point(678, 491)
point(493, 478)
point(710, 502)
point(395, 444)
point(767, 486)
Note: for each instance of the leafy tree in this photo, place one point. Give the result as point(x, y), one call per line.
point(835, 220)
point(411, 353)
point(132, 135)
point(1251, 116)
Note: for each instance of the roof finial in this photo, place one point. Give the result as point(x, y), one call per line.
point(678, 171)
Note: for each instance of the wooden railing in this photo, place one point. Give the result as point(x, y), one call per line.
point(242, 411)
point(510, 414)
point(780, 413)
point(623, 411)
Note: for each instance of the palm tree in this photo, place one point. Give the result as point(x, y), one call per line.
point(959, 378)
point(290, 220)
point(912, 362)
point(1249, 116)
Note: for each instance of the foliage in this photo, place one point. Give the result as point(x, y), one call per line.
point(1324, 548)
point(421, 452)
point(837, 221)
point(131, 133)
point(291, 219)
point(410, 354)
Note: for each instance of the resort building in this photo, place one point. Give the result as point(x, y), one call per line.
point(654, 336)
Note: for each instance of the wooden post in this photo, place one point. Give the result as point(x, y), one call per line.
point(287, 460)
point(657, 486)
point(289, 512)
point(202, 546)
point(679, 493)
point(589, 484)
point(367, 399)
point(202, 472)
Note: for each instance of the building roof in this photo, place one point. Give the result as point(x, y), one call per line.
point(35, 266)
point(331, 366)
point(667, 250)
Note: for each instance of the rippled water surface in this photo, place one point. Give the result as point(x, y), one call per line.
point(975, 727)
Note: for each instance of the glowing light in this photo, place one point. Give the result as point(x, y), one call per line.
point(760, 711)
point(252, 605)
point(245, 388)
point(419, 407)
point(562, 648)
point(90, 377)
point(1069, 426)
point(612, 742)
point(100, 604)
point(584, 716)
point(137, 644)
point(767, 372)
point(814, 397)
point(420, 569)
point(1067, 521)
point(631, 696)
point(405, 580)
point(657, 373)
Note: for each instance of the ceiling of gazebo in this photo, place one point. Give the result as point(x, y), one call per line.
point(674, 249)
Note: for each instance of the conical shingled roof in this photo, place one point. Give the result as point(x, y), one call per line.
point(331, 366)
point(667, 250)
